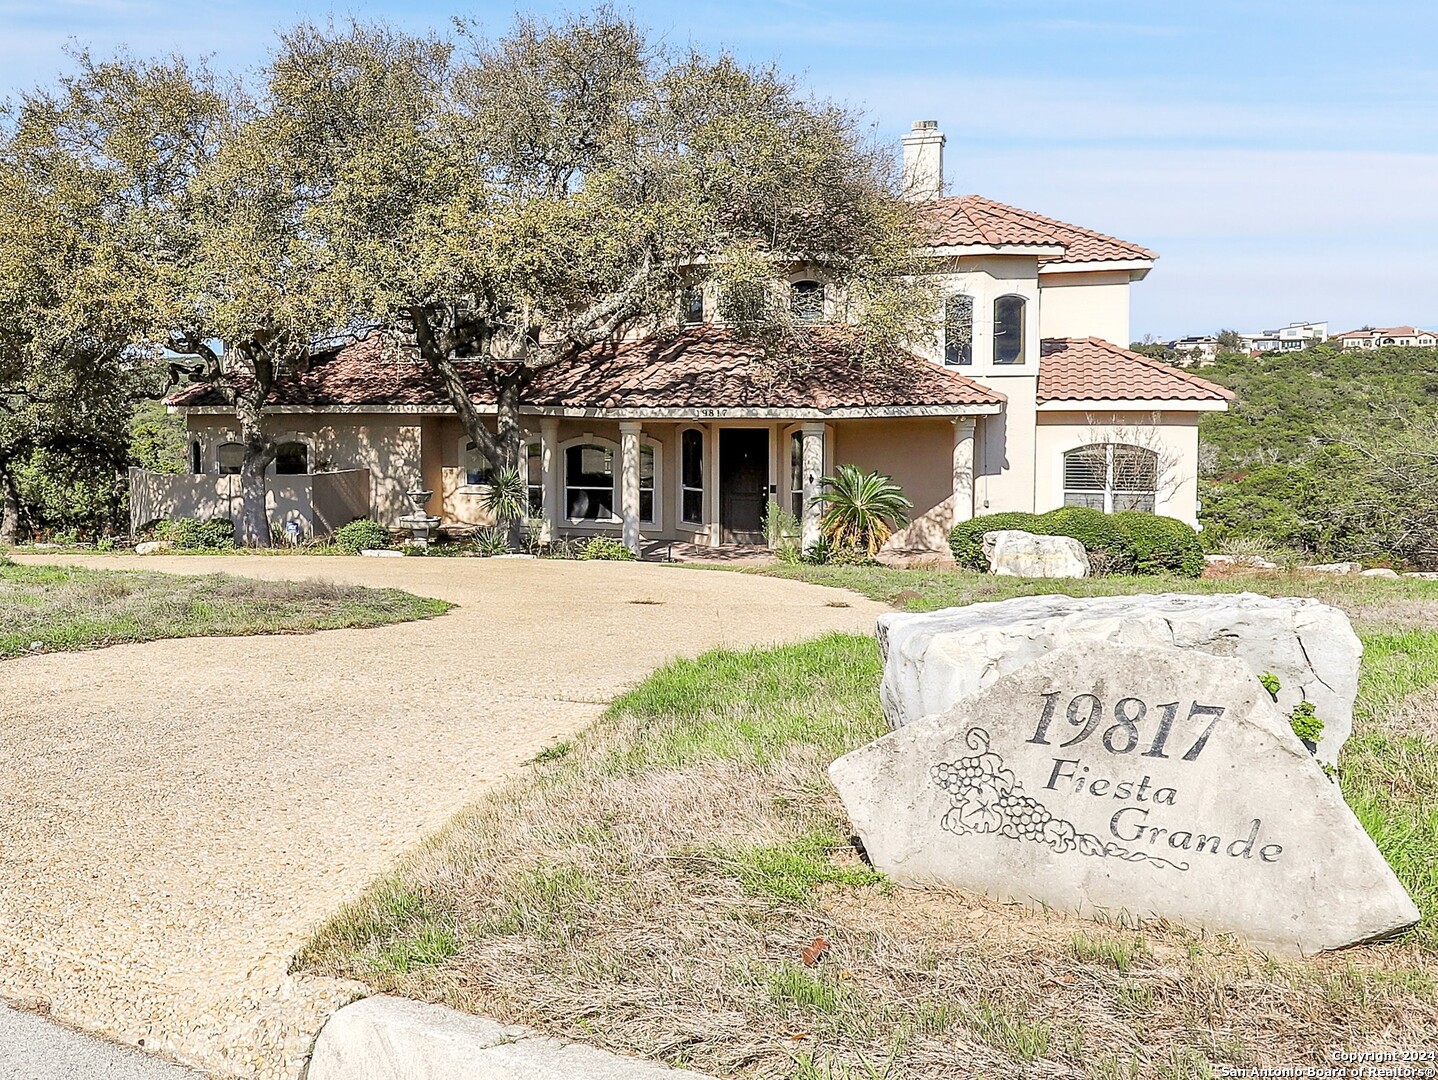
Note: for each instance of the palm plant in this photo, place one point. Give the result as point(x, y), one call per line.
point(861, 510)
point(507, 501)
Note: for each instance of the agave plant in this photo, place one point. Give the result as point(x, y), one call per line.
point(861, 510)
point(507, 500)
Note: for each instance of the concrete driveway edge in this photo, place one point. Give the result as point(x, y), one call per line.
point(392, 1038)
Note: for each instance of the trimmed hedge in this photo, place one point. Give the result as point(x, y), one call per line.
point(1162, 544)
point(1127, 542)
point(361, 535)
point(966, 540)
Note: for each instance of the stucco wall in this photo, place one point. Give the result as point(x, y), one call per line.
point(1080, 305)
point(387, 446)
point(1172, 435)
point(918, 455)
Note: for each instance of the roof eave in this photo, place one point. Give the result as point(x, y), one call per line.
point(1132, 405)
point(950, 251)
point(629, 412)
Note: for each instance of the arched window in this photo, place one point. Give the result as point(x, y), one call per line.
point(1009, 330)
point(478, 472)
point(230, 456)
point(806, 301)
point(1111, 476)
point(694, 305)
point(691, 476)
point(958, 329)
point(589, 482)
point(292, 459)
point(196, 464)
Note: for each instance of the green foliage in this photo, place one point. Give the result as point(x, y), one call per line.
point(489, 542)
point(1123, 543)
point(158, 440)
point(508, 496)
point(1306, 724)
point(781, 530)
point(606, 548)
point(1326, 452)
point(966, 540)
point(1162, 545)
point(861, 510)
point(360, 536)
point(192, 533)
point(1109, 545)
point(1269, 681)
point(794, 870)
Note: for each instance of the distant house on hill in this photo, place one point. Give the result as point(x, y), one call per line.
point(1198, 349)
point(1376, 337)
point(1294, 336)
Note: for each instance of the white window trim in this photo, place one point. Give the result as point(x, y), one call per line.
point(1108, 489)
point(308, 441)
point(702, 525)
point(614, 518)
point(1023, 358)
point(464, 487)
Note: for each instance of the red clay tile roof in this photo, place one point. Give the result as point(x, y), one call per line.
point(972, 219)
point(699, 368)
point(1091, 369)
point(1386, 331)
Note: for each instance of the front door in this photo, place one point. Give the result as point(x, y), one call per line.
point(743, 484)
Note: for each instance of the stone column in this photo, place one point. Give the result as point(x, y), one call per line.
point(812, 457)
point(554, 509)
point(963, 508)
point(629, 482)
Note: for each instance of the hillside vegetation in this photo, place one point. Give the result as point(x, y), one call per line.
point(1326, 454)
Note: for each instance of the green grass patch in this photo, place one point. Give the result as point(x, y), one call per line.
point(792, 871)
point(65, 608)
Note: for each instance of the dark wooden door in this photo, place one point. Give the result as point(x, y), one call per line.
point(743, 483)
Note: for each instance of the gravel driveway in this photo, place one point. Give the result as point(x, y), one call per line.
point(176, 816)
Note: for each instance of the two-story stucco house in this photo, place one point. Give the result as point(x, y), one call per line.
point(1028, 402)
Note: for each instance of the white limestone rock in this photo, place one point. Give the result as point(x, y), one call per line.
point(931, 660)
point(1336, 568)
point(1127, 783)
point(1015, 553)
point(153, 547)
point(1379, 572)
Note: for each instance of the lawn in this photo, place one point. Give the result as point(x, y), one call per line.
point(651, 888)
point(61, 608)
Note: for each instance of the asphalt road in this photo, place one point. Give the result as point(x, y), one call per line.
point(34, 1048)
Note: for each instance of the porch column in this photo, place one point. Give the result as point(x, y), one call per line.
point(963, 469)
point(812, 462)
point(554, 508)
point(629, 482)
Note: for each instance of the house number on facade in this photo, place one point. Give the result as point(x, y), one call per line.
point(1086, 712)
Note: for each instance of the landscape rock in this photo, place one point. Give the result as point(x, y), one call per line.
point(391, 1038)
point(1426, 575)
point(1127, 783)
point(153, 547)
point(933, 659)
point(382, 553)
point(1015, 553)
point(1218, 560)
point(1379, 571)
point(1336, 568)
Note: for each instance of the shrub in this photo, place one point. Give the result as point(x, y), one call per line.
point(861, 510)
point(1162, 544)
point(606, 548)
point(781, 530)
point(966, 540)
point(489, 542)
point(192, 534)
point(1109, 546)
point(360, 535)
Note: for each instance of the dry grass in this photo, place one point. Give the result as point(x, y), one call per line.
point(650, 889)
point(58, 608)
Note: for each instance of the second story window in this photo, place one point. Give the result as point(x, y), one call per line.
point(1009, 330)
point(694, 305)
point(806, 301)
point(959, 330)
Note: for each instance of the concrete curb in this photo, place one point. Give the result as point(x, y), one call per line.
point(391, 1038)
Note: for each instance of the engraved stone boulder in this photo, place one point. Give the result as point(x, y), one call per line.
point(933, 659)
point(1015, 553)
point(1127, 783)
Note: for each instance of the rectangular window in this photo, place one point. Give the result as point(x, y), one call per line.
point(534, 478)
point(646, 483)
point(691, 477)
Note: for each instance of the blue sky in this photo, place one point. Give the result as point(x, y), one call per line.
point(1281, 157)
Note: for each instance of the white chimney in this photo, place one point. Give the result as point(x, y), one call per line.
point(924, 161)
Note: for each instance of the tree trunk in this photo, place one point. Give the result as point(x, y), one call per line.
point(253, 527)
point(9, 508)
